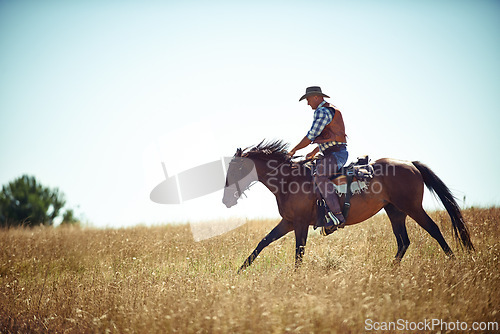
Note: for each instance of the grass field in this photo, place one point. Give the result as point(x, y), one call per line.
point(158, 279)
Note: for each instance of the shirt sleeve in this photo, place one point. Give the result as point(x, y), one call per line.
point(322, 116)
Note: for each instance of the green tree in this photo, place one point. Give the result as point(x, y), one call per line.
point(69, 218)
point(25, 201)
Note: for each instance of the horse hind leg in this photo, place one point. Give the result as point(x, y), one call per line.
point(426, 222)
point(398, 222)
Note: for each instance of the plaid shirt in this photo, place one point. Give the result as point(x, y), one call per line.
point(322, 117)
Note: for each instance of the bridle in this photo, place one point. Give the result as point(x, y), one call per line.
point(238, 192)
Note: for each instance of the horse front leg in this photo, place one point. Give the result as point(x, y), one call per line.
point(301, 231)
point(283, 227)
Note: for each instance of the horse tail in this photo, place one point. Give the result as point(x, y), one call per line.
point(437, 186)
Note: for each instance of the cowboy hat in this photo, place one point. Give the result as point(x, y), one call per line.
point(311, 91)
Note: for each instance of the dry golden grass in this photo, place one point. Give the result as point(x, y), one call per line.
point(159, 280)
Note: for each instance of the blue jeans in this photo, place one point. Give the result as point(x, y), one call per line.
point(331, 163)
point(325, 167)
point(341, 157)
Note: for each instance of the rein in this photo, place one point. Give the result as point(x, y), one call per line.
point(238, 189)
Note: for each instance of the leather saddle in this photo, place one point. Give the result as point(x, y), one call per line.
point(359, 170)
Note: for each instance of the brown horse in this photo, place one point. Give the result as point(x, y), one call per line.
point(397, 187)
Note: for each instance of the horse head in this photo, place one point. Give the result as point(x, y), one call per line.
point(241, 174)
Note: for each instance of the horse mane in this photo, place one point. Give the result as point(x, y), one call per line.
point(266, 150)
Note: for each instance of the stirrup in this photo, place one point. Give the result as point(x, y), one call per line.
point(335, 220)
point(326, 230)
point(330, 226)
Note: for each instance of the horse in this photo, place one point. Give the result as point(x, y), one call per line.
point(397, 187)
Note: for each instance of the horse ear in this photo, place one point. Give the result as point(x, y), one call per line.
point(239, 152)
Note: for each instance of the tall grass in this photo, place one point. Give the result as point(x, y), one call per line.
point(159, 279)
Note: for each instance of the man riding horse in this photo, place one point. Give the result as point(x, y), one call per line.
point(397, 187)
point(328, 132)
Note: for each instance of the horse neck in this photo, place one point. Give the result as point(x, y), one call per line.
point(271, 173)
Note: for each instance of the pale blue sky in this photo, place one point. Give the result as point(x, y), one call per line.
point(95, 94)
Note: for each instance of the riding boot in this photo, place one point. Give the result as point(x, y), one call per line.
point(327, 189)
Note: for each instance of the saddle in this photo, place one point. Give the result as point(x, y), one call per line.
point(361, 172)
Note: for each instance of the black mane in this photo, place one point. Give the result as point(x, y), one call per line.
point(267, 150)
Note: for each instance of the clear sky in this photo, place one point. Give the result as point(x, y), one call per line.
point(94, 95)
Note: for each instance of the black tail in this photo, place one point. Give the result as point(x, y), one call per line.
point(435, 185)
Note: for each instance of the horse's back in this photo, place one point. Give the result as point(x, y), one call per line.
point(400, 179)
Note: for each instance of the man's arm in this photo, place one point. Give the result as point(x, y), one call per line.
point(313, 153)
point(303, 143)
point(322, 117)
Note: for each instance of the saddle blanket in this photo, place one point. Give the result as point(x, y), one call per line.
point(356, 187)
